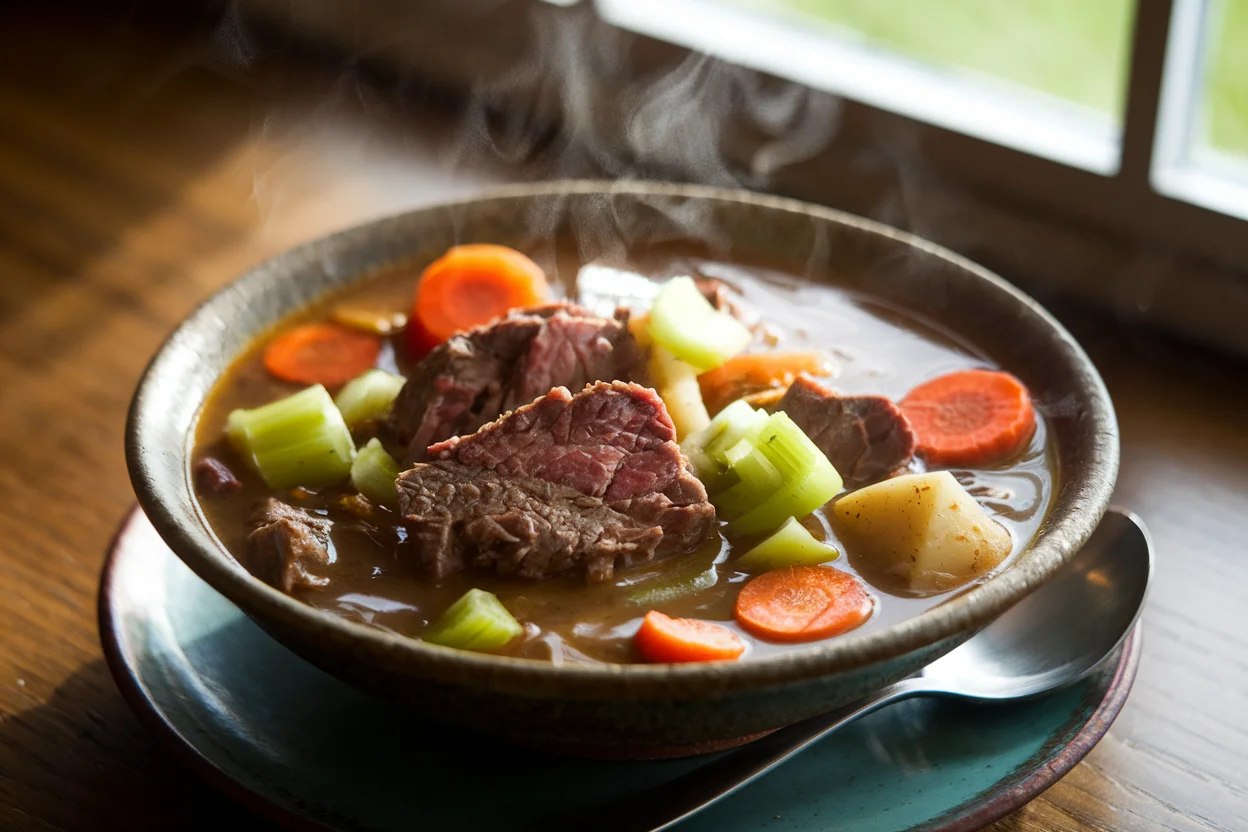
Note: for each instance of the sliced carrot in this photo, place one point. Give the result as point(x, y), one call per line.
point(321, 354)
point(752, 372)
point(803, 603)
point(474, 284)
point(665, 639)
point(971, 417)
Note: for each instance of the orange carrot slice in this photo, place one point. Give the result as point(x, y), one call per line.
point(665, 639)
point(970, 418)
point(321, 354)
point(752, 372)
point(474, 284)
point(803, 603)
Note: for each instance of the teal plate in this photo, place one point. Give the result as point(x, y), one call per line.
point(303, 748)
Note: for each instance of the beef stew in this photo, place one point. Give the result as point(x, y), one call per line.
point(580, 554)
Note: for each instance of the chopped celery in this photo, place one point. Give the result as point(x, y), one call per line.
point(477, 621)
point(684, 322)
point(796, 499)
point(299, 440)
point(757, 479)
point(703, 467)
point(694, 445)
point(744, 427)
point(368, 397)
point(733, 413)
point(788, 447)
point(669, 590)
point(373, 474)
point(677, 384)
point(790, 545)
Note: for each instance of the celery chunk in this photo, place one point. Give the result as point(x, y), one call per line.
point(299, 440)
point(790, 545)
point(684, 322)
point(745, 427)
point(757, 479)
point(373, 474)
point(788, 447)
point(477, 621)
point(796, 499)
point(368, 397)
point(695, 445)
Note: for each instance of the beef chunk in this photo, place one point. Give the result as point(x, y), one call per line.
point(725, 298)
point(606, 464)
point(866, 437)
point(571, 350)
point(462, 516)
point(476, 376)
point(212, 476)
point(286, 544)
point(459, 386)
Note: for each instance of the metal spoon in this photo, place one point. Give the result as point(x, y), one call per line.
point(1052, 638)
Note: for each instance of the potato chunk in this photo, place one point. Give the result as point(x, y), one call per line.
point(677, 384)
point(920, 533)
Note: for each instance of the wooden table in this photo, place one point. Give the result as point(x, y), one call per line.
point(138, 174)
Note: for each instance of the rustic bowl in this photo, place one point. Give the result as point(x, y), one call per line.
point(629, 710)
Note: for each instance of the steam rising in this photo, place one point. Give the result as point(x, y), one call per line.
point(673, 121)
point(576, 104)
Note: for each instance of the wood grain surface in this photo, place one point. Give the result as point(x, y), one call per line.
point(140, 169)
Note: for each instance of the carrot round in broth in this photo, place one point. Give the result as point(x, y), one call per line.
point(666, 639)
point(322, 353)
point(472, 285)
point(803, 603)
point(970, 418)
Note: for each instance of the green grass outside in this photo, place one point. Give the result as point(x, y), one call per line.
point(1073, 49)
point(1226, 121)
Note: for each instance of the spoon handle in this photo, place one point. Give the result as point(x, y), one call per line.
point(674, 801)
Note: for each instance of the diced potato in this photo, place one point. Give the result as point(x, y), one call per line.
point(922, 531)
point(639, 327)
point(677, 384)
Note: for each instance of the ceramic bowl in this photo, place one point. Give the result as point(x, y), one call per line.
point(633, 710)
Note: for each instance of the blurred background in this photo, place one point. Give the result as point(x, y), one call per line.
point(1095, 152)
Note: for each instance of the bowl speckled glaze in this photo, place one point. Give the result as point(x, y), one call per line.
point(629, 710)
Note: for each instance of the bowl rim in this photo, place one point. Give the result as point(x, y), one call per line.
point(1058, 539)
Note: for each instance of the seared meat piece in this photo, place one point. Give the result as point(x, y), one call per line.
point(866, 437)
point(572, 350)
point(212, 476)
point(606, 464)
point(459, 386)
point(478, 375)
point(286, 545)
point(725, 298)
point(463, 516)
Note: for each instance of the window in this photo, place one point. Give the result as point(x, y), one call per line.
point(1044, 76)
point(1202, 152)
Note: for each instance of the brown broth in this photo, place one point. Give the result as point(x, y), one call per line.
point(880, 349)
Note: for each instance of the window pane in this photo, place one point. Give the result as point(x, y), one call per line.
point(1225, 110)
point(1072, 49)
point(1046, 77)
